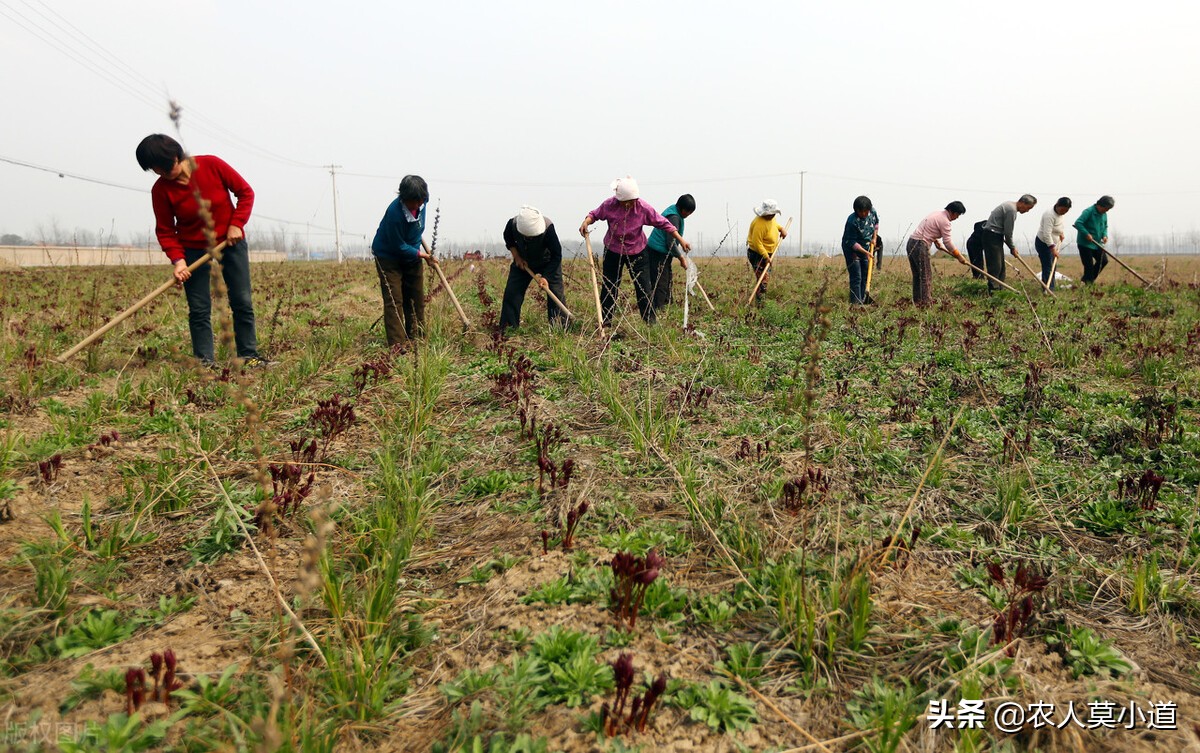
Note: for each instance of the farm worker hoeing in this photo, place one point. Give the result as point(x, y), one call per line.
point(1050, 235)
point(536, 254)
point(1092, 227)
point(762, 241)
point(933, 231)
point(183, 182)
point(661, 248)
point(998, 233)
point(860, 238)
point(625, 245)
point(398, 254)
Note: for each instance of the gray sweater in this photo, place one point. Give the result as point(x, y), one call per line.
point(1002, 220)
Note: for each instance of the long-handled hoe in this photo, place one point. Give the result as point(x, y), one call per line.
point(1035, 276)
point(446, 284)
point(545, 286)
point(1128, 268)
point(587, 239)
point(139, 305)
point(996, 280)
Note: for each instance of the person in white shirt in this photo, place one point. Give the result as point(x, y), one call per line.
point(1050, 236)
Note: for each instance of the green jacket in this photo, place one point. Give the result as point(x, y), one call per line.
point(1091, 222)
point(660, 241)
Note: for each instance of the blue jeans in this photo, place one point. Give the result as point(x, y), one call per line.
point(856, 265)
point(235, 268)
point(1046, 256)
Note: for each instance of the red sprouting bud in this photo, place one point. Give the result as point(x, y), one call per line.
point(1026, 609)
point(135, 689)
point(169, 659)
point(658, 687)
point(623, 672)
point(654, 560)
point(999, 629)
point(646, 577)
point(156, 665)
point(996, 572)
point(545, 542)
point(1021, 576)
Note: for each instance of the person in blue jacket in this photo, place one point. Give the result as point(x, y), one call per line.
point(398, 253)
point(858, 245)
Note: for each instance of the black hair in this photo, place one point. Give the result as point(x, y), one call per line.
point(1106, 201)
point(862, 204)
point(158, 150)
point(956, 207)
point(414, 188)
point(1063, 201)
point(685, 203)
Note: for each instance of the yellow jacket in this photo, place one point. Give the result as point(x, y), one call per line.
point(763, 237)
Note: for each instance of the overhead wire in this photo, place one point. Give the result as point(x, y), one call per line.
point(82, 49)
point(138, 189)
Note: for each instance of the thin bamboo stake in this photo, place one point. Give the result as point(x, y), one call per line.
point(1128, 268)
point(446, 284)
point(587, 239)
point(296, 621)
point(999, 282)
point(779, 712)
point(1053, 267)
point(686, 296)
point(137, 306)
point(701, 289)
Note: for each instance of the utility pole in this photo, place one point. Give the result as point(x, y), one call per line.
point(337, 233)
point(800, 224)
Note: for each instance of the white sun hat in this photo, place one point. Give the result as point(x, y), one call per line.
point(625, 188)
point(768, 206)
point(530, 222)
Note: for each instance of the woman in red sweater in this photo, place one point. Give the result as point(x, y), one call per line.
point(180, 227)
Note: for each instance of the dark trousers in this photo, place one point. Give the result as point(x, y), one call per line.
point(975, 256)
point(993, 257)
point(1046, 257)
point(659, 270)
point(856, 265)
point(922, 272)
point(518, 283)
point(402, 284)
point(235, 269)
point(1094, 261)
point(758, 263)
point(612, 266)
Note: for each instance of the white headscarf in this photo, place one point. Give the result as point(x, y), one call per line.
point(625, 188)
point(530, 222)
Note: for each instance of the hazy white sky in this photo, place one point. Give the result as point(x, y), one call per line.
point(500, 104)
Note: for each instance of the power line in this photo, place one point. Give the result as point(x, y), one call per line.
point(99, 181)
point(65, 174)
point(582, 184)
point(82, 49)
point(960, 189)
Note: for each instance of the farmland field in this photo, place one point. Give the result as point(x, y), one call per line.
point(813, 523)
